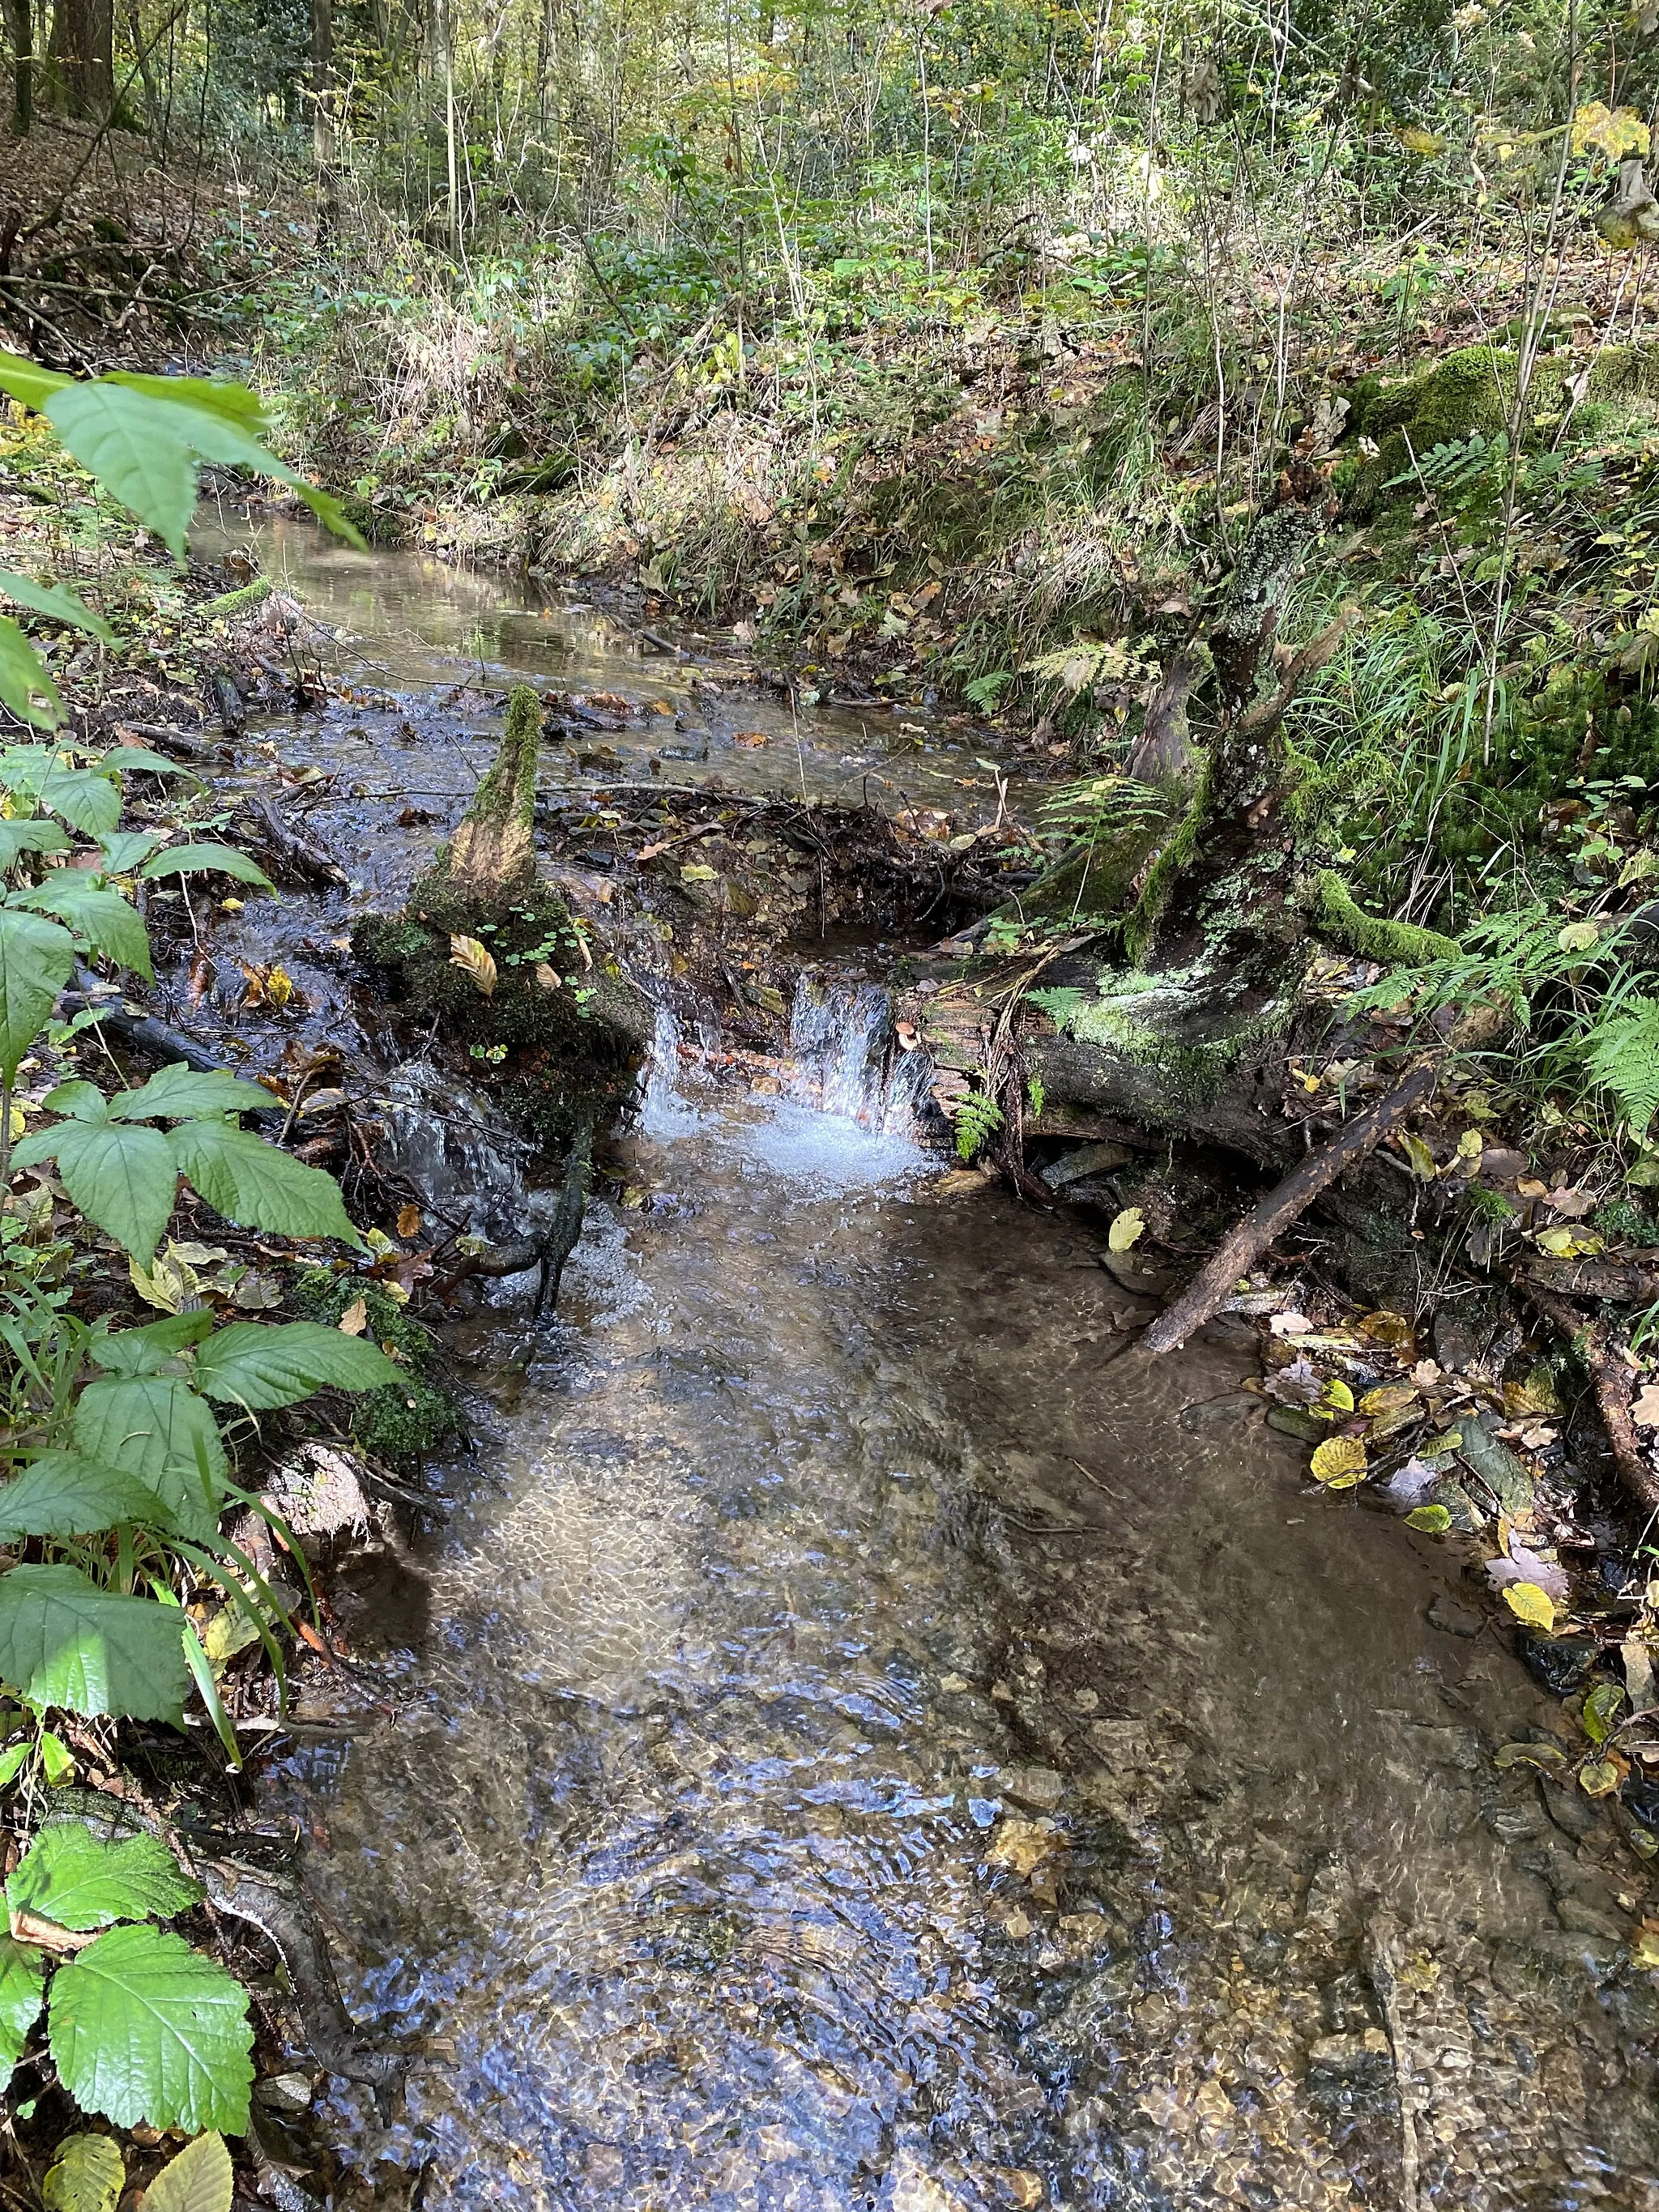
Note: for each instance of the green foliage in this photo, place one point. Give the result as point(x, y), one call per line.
point(411, 1416)
point(86, 2175)
point(143, 2028)
point(977, 1118)
point(64, 1641)
point(1373, 937)
point(72, 1877)
point(1621, 1054)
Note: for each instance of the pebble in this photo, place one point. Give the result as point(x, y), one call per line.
point(285, 2092)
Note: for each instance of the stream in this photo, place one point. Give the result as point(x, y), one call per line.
point(849, 1747)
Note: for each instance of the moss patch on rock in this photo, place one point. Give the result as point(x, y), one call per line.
point(409, 1419)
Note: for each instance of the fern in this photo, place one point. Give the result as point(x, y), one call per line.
point(1102, 805)
point(978, 1117)
point(1061, 1003)
point(1622, 1056)
point(1085, 660)
point(1036, 1097)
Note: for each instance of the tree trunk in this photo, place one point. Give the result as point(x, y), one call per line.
point(324, 149)
point(82, 55)
point(20, 27)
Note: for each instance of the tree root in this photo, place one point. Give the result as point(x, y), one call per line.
point(553, 1248)
point(1213, 1283)
point(1611, 1380)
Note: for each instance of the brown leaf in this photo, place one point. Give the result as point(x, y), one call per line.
point(355, 1320)
point(474, 961)
point(409, 1221)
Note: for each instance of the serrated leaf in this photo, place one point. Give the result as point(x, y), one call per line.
point(1339, 1463)
point(11, 1762)
point(1599, 1710)
point(122, 1176)
point(88, 801)
point(144, 2028)
point(148, 1349)
point(260, 1366)
point(22, 1993)
point(1126, 1230)
point(1530, 1604)
point(37, 958)
point(65, 1641)
point(86, 2175)
point(179, 1092)
point(136, 449)
point(26, 686)
point(257, 1186)
point(57, 1759)
point(475, 962)
point(191, 859)
point(60, 1493)
point(1598, 1777)
point(198, 2180)
point(139, 760)
point(51, 600)
point(156, 1426)
point(234, 403)
point(112, 926)
point(34, 834)
point(81, 1881)
point(1434, 1519)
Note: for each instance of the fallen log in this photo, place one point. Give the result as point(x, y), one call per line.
point(304, 855)
point(1611, 1380)
point(1238, 1253)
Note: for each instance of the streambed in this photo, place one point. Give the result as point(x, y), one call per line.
point(851, 1749)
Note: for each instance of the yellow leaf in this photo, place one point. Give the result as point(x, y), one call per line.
point(1614, 132)
point(409, 1221)
point(1337, 1395)
point(1598, 1777)
point(1416, 140)
point(1579, 936)
point(1644, 1951)
point(1529, 1603)
point(1389, 1398)
point(1471, 1145)
point(86, 2175)
point(1386, 1328)
point(1421, 1157)
point(1126, 1228)
point(355, 1320)
point(1339, 1462)
point(474, 961)
point(279, 986)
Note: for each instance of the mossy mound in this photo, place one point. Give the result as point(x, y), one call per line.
point(402, 1423)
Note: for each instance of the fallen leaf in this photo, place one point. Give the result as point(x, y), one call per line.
point(1126, 1228)
point(1339, 1463)
point(1386, 1328)
point(1645, 1412)
point(1422, 1159)
point(1337, 1395)
point(752, 738)
point(1529, 1754)
point(1289, 1324)
point(409, 1221)
point(547, 979)
point(1530, 1604)
point(1389, 1398)
point(1598, 1777)
point(475, 962)
point(1599, 1710)
point(355, 1320)
point(1433, 1519)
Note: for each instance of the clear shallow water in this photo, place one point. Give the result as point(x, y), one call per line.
point(855, 1749)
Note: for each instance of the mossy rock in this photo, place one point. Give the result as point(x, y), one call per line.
point(1467, 394)
point(409, 1419)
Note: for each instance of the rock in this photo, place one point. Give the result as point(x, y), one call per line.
point(1038, 1787)
point(1023, 1846)
point(1345, 2057)
point(320, 1492)
point(285, 2092)
point(1088, 1159)
point(1452, 1618)
point(1579, 1918)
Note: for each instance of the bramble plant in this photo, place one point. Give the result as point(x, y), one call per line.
point(118, 1469)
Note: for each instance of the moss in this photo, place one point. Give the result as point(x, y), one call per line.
point(407, 1419)
point(1467, 392)
point(1133, 1018)
point(1167, 867)
point(1371, 937)
point(494, 850)
point(242, 601)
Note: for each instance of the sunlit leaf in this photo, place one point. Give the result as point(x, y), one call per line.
point(144, 2028)
point(81, 1881)
point(1530, 1604)
point(1126, 1230)
point(198, 2180)
point(1339, 1463)
point(52, 600)
point(65, 1641)
point(475, 963)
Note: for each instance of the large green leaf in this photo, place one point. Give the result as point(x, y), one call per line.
point(61, 1493)
point(65, 1641)
point(87, 801)
point(34, 834)
point(81, 1880)
point(188, 860)
point(253, 1183)
point(37, 958)
point(131, 760)
point(199, 2179)
point(26, 687)
point(29, 383)
point(137, 448)
point(148, 1350)
point(110, 924)
point(157, 1428)
point(144, 2028)
point(120, 1176)
point(126, 849)
point(86, 2175)
point(259, 1365)
point(22, 1992)
point(178, 1093)
point(233, 402)
point(51, 600)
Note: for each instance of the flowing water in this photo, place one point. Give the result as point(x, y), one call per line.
point(853, 1748)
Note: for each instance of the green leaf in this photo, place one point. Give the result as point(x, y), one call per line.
point(57, 1759)
point(32, 834)
point(26, 687)
point(59, 1493)
point(178, 1093)
point(28, 383)
point(259, 1365)
point(51, 600)
point(22, 1992)
point(156, 1428)
point(65, 1641)
point(189, 859)
point(233, 402)
point(37, 958)
point(81, 1880)
point(144, 2028)
point(86, 2175)
point(11, 1762)
point(138, 760)
point(82, 1100)
point(1433, 1518)
point(1599, 1710)
point(87, 801)
point(255, 1185)
point(122, 1177)
point(198, 2180)
point(125, 850)
point(148, 1350)
point(136, 449)
point(110, 924)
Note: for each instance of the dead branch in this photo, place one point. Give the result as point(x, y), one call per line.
point(1261, 719)
point(1611, 1380)
point(1238, 1253)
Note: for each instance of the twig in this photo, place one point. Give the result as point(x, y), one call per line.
point(1238, 1252)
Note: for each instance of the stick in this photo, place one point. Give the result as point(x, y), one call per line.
point(1611, 1380)
point(1237, 1255)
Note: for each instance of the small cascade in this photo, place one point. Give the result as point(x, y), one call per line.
point(664, 1111)
point(848, 1059)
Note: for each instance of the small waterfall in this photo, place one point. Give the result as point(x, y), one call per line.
point(850, 1062)
point(663, 1110)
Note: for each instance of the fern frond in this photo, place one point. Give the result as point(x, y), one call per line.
point(1085, 660)
point(1622, 1056)
point(978, 1117)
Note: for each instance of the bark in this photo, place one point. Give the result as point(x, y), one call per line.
point(82, 54)
point(1611, 1380)
point(20, 29)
